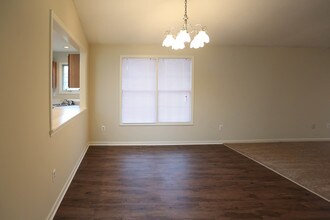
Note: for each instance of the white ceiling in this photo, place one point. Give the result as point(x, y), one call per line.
point(303, 23)
point(60, 42)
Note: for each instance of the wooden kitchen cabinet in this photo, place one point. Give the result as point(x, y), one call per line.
point(54, 75)
point(74, 70)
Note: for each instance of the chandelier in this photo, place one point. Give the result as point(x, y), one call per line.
point(183, 36)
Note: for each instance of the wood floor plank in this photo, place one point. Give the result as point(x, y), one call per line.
point(183, 182)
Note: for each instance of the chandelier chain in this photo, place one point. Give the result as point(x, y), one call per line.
point(185, 18)
point(185, 8)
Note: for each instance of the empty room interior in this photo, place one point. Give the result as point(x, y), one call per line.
point(165, 109)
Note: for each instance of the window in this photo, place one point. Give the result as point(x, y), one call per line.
point(156, 90)
point(65, 77)
point(64, 80)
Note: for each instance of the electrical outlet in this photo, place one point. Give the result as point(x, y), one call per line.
point(220, 127)
point(328, 125)
point(53, 175)
point(103, 128)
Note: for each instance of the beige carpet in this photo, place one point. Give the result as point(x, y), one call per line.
point(306, 163)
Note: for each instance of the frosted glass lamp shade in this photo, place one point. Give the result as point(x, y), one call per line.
point(197, 42)
point(168, 41)
point(203, 35)
point(184, 36)
point(178, 44)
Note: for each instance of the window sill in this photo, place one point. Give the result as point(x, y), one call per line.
point(68, 93)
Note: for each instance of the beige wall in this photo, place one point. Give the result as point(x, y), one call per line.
point(27, 153)
point(256, 93)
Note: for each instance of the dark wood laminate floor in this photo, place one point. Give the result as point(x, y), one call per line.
point(183, 182)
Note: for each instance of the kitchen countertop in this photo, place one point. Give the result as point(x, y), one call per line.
point(61, 115)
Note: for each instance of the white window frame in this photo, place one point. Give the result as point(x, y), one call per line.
point(157, 123)
point(60, 79)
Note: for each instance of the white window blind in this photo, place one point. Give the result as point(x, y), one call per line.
point(138, 90)
point(174, 90)
point(156, 90)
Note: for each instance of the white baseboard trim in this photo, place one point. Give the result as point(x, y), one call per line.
point(152, 143)
point(275, 140)
point(66, 186)
point(264, 165)
point(205, 142)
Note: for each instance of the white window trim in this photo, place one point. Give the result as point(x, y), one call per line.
point(60, 80)
point(158, 123)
